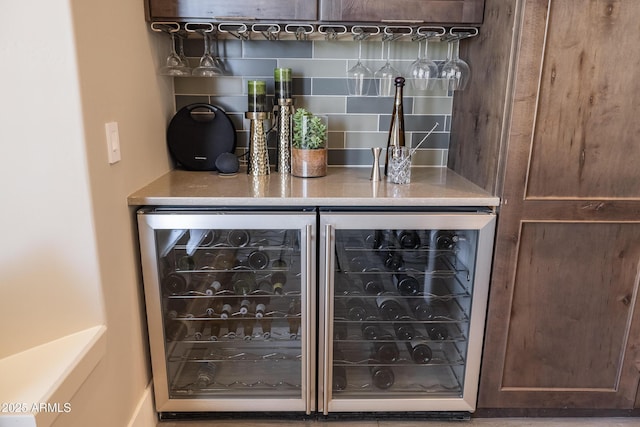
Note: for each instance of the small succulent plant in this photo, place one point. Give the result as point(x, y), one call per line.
point(309, 132)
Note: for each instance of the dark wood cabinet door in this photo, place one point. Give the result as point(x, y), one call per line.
point(407, 11)
point(563, 326)
point(221, 10)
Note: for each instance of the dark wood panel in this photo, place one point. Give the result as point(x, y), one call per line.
point(279, 10)
point(574, 288)
point(586, 132)
point(478, 111)
point(427, 11)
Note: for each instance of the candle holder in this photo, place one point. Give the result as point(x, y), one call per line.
point(284, 110)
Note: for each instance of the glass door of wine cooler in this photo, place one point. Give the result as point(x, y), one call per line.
point(231, 309)
point(402, 310)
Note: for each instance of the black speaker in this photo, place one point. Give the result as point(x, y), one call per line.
point(198, 134)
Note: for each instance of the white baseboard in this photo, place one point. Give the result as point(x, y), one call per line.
point(145, 414)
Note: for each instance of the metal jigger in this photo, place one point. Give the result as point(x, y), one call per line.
point(285, 113)
point(258, 154)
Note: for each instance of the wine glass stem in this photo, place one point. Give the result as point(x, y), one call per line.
point(173, 44)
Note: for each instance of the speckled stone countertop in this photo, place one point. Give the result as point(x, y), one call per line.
point(430, 187)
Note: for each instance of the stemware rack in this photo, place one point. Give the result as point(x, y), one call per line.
point(305, 32)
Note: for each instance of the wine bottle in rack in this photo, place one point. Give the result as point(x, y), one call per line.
point(382, 377)
point(245, 306)
point(258, 260)
point(247, 328)
point(293, 318)
point(408, 239)
point(244, 282)
point(420, 352)
point(389, 307)
point(385, 349)
point(227, 316)
point(278, 280)
point(447, 240)
point(176, 330)
point(214, 330)
point(357, 309)
point(176, 307)
point(340, 328)
point(206, 375)
point(199, 328)
point(406, 284)
point(339, 372)
point(238, 238)
point(372, 284)
point(404, 328)
point(174, 284)
point(371, 328)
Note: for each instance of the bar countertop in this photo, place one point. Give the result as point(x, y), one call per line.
point(429, 187)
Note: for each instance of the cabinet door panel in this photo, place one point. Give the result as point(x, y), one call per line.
point(572, 280)
point(430, 11)
point(238, 9)
point(586, 89)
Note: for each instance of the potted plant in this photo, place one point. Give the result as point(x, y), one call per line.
point(309, 152)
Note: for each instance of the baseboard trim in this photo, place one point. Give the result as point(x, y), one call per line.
point(145, 413)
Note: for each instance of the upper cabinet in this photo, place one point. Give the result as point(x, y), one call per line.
point(236, 10)
point(444, 12)
point(403, 11)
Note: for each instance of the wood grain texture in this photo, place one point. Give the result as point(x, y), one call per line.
point(585, 143)
point(423, 11)
point(220, 9)
point(542, 285)
point(478, 111)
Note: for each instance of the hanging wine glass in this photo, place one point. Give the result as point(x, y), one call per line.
point(180, 37)
point(207, 67)
point(174, 65)
point(216, 57)
point(455, 72)
point(386, 75)
point(359, 76)
point(423, 72)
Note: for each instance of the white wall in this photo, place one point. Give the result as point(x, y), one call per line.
point(68, 257)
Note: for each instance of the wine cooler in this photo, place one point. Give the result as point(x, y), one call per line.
point(405, 297)
point(231, 309)
point(315, 310)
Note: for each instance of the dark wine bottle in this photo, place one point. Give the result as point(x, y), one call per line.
point(408, 239)
point(446, 240)
point(389, 307)
point(382, 377)
point(437, 331)
point(356, 309)
point(214, 331)
point(244, 282)
point(206, 375)
point(406, 285)
point(238, 238)
point(174, 284)
point(258, 260)
point(247, 327)
point(404, 328)
point(420, 352)
point(385, 349)
point(245, 305)
point(396, 128)
point(371, 328)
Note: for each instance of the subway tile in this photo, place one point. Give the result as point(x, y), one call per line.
point(254, 68)
point(429, 157)
point(315, 68)
point(331, 86)
point(277, 49)
point(184, 100)
point(435, 140)
point(414, 123)
point(322, 104)
point(356, 157)
point(354, 122)
point(366, 139)
point(301, 86)
point(231, 104)
point(345, 49)
point(208, 85)
point(432, 105)
point(377, 104)
point(336, 140)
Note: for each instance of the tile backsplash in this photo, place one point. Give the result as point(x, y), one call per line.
point(319, 68)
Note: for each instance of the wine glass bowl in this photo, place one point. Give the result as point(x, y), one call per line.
point(386, 75)
point(359, 76)
point(423, 72)
point(455, 72)
point(207, 66)
point(174, 65)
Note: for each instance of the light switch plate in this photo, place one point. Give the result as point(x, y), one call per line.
point(113, 142)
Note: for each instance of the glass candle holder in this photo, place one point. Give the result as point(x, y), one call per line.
point(282, 78)
point(257, 96)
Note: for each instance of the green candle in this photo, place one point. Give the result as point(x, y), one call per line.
point(282, 78)
point(257, 96)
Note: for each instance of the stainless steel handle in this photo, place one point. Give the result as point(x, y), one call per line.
point(308, 308)
point(328, 310)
